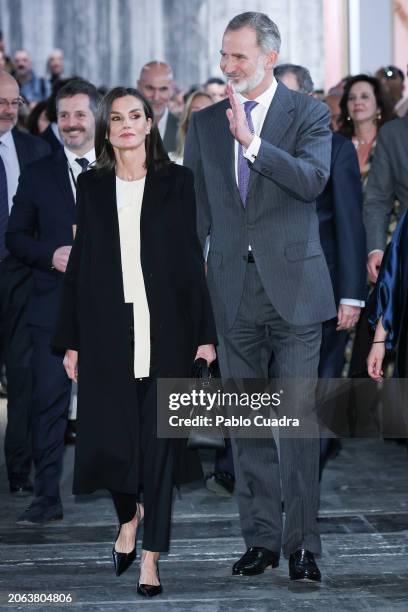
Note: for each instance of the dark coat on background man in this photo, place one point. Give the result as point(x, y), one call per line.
point(40, 222)
point(343, 240)
point(15, 339)
point(49, 136)
point(170, 135)
point(341, 228)
point(29, 149)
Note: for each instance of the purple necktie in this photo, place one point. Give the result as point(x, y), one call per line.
point(243, 168)
point(4, 208)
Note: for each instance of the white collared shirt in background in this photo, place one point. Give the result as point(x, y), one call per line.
point(75, 167)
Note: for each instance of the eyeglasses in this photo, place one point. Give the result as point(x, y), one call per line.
point(15, 104)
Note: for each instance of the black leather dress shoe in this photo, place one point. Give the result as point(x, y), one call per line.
point(42, 510)
point(150, 590)
point(302, 566)
point(255, 561)
point(21, 488)
point(71, 432)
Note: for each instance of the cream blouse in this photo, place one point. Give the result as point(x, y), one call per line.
point(129, 196)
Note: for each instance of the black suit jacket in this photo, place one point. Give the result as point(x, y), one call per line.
point(49, 137)
point(29, 148)
point(15, 283)
point(41, 221)
point(341, 227)
point(16, 277)
point(170, 135)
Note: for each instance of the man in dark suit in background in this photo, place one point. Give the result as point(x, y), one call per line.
point(157, 85)
point(17, 149)
point(40, 234)
point(342, 234)
point(259, 167)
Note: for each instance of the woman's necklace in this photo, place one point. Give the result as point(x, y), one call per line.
point(364, 142)
point(360, 141)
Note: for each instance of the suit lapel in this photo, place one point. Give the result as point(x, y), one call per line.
point(104, 196)
point(226, 150)
point(277, 121)
point(61, 176)
point(156, 186)
point(23, 152)
point(279, 116)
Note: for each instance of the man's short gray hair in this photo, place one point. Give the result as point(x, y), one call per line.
point(267, 32)
point(304, 80)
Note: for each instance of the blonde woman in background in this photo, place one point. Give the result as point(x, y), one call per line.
point(197, 101)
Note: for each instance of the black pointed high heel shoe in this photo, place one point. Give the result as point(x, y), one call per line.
point(150, 590)
point(122, 561)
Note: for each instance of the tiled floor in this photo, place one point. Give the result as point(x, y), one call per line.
point(364, 524)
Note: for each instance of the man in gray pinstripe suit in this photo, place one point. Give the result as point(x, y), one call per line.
point(260, 159)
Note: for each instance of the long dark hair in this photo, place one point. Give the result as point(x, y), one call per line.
point(345, 123)
point(156, 156)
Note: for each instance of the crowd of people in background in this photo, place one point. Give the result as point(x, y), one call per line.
point(360, 105)
point(294, 242)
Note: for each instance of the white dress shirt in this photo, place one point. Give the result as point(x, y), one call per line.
point(9, 156)
point(258, 115)
point(76, 168)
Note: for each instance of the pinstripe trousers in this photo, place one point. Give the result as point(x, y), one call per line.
point(264, 472)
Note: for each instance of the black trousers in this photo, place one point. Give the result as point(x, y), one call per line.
point(156, 474)
point(51, 398)
point(332, 350)
point(16, 350)
point(330, 366)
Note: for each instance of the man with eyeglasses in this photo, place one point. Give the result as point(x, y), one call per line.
point(17, 149)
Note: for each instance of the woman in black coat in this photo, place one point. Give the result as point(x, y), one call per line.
point(135, 308)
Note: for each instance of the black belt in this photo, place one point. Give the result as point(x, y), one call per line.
point(250, 257)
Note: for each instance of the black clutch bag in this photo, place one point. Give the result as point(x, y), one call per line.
point(211, 436)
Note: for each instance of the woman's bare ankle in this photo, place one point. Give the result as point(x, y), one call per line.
point(150, 556)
